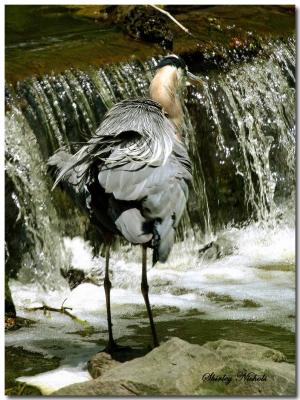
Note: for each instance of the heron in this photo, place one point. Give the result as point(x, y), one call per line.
point(134, 173)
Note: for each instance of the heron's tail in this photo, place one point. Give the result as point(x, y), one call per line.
point(70, 168)
point(60, 161)
point(163, 240)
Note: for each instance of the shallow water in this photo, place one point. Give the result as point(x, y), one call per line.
point(246, 295)
point(41, 39)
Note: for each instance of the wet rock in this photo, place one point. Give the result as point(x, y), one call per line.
point(146, 23)
point(142, 23)
point(181, 368)
point(76, 276)
point(216, 249)
point(73, 276)
point(14, 323)
point(17, 240)
point(101, 363)
point(10, 309)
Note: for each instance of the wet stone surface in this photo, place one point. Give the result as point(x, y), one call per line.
point(42, 39)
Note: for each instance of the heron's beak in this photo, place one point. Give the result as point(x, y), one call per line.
point(193, 79)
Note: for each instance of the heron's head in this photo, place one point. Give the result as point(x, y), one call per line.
point(174, 63)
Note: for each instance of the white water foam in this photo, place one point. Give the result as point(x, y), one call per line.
point(251, 271)
point(48, 382)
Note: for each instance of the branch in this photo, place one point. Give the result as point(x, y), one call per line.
point(172, 18)
point(62, 310)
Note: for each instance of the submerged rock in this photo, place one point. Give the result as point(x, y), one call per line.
point(180, 368)
point(219, 248)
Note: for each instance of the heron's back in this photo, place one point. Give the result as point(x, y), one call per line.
point(135, 171)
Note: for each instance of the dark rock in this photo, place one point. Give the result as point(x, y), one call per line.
point(75, 276)
point(10, 309)
point(216, 249)
point(147, 24)
point(17, 241)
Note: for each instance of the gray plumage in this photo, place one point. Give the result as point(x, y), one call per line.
point(133, 174)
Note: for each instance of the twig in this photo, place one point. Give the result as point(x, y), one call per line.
point(62, 306)
point(172, 18)
point(21, 390)
point(62, 310)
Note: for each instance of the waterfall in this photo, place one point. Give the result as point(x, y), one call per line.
point(34, 235)
point(245, 118)
point(239, 128)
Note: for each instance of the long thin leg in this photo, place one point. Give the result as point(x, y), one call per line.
point(107, 288)
point(145, 291)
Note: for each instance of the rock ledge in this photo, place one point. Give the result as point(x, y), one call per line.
point(180, 368)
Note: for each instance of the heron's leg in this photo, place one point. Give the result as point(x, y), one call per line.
point(107, 288)
point(145, 290)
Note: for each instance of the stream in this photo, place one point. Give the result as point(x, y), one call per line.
point(240, 133)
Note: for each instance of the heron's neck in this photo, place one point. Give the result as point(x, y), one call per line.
point(164, 90)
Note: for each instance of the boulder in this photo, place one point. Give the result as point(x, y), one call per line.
point(101, 363)
point(180, 368)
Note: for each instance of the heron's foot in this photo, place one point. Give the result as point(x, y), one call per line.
point(112, 347)
point(153, 345)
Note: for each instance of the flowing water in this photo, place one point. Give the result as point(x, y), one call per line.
point(240, 132)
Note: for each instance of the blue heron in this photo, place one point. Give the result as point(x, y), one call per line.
point(133, 173)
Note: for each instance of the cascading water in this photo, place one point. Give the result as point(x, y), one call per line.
point(248, 118)
point(242, 144)
point(240, 131)
point(39, 243)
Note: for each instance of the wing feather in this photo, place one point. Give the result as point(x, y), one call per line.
point(137, 158)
